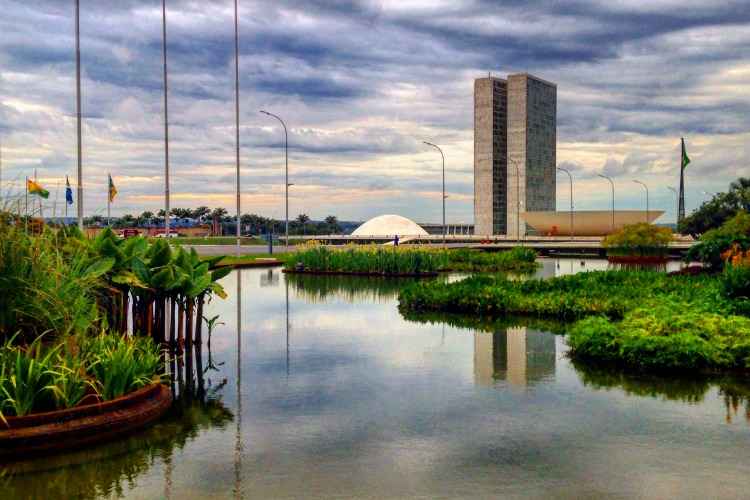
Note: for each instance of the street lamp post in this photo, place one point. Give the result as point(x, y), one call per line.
point(443, 157)
point(518, 199)
point(572, 233)
point(286, 174)
point(613, 197)
point(646, 188)
point(237, 114)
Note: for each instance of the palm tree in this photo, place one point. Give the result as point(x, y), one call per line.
point(303, 219)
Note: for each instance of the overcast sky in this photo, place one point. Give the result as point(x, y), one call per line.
point(361, 84)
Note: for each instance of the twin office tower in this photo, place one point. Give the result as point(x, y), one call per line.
point(515, 123)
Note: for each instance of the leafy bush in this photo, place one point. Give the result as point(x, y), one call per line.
point(735, 232)
point(665, 337)
point(735, 281)
point(640, 239)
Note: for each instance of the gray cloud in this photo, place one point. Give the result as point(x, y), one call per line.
point(361, 84)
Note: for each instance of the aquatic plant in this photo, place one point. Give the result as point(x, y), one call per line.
point(517, 260)
point(368, 259)
point(378, 259)
point(61, 374)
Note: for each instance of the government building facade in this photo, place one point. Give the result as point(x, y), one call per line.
point(515, 142)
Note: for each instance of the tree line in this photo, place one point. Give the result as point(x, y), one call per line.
point(252, 223)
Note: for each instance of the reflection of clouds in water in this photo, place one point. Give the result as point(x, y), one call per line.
point(368, 404)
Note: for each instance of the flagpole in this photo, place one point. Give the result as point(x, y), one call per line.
point(109, 198)
point(78, 115)
point(681, 202)
point(66, 198)
point(166, 117)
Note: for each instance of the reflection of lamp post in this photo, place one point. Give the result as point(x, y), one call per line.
point(286, 172)
point(646, 188)
point(518, 200)
point(613, 197)
point(286, 286)
point(238, 428)
point(571, 199)
point(443, 157)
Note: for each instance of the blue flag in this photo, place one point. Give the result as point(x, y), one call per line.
point(68, 192)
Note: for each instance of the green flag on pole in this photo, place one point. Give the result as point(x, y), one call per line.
point(685, 159)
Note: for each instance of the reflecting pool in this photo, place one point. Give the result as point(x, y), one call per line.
point(317, 387)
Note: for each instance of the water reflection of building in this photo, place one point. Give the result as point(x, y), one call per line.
point(519, 355)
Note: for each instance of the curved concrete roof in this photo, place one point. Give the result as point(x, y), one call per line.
point(389, 225)
point(587, 222)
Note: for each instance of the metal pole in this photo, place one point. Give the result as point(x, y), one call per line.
point(443, 158)
point(613, 198)
point(237, 114)
point(572, 233)
point(166, 116)
point(286, 175)
point(79, 194)
point(647, 207)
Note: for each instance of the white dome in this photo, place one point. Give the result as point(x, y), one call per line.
point(389, 225)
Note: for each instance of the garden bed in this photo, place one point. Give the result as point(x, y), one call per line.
point(83, 425)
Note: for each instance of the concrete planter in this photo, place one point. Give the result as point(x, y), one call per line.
point(83, 425)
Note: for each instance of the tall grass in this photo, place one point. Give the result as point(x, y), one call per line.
point(369, 259)
point(404, 259)
point(42, 289)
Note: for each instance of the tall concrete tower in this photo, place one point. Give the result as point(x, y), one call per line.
point(515, 130)
point(490, 155)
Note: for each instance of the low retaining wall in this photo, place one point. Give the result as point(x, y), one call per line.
point(83, 425)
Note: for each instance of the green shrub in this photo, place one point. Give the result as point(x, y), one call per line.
point(735, 282)
point(640, 240)
point(665, 337)
point(734, 232)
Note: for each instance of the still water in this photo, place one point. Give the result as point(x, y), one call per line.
point(319, 388)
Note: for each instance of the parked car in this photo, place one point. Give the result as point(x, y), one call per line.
point(171, 235)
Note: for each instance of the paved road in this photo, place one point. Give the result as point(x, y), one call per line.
point(232, 249)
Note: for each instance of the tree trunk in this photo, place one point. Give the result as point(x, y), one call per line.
point(199, 321)
point(180, 325)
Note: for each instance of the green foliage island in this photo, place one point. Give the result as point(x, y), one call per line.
point(640, 319)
